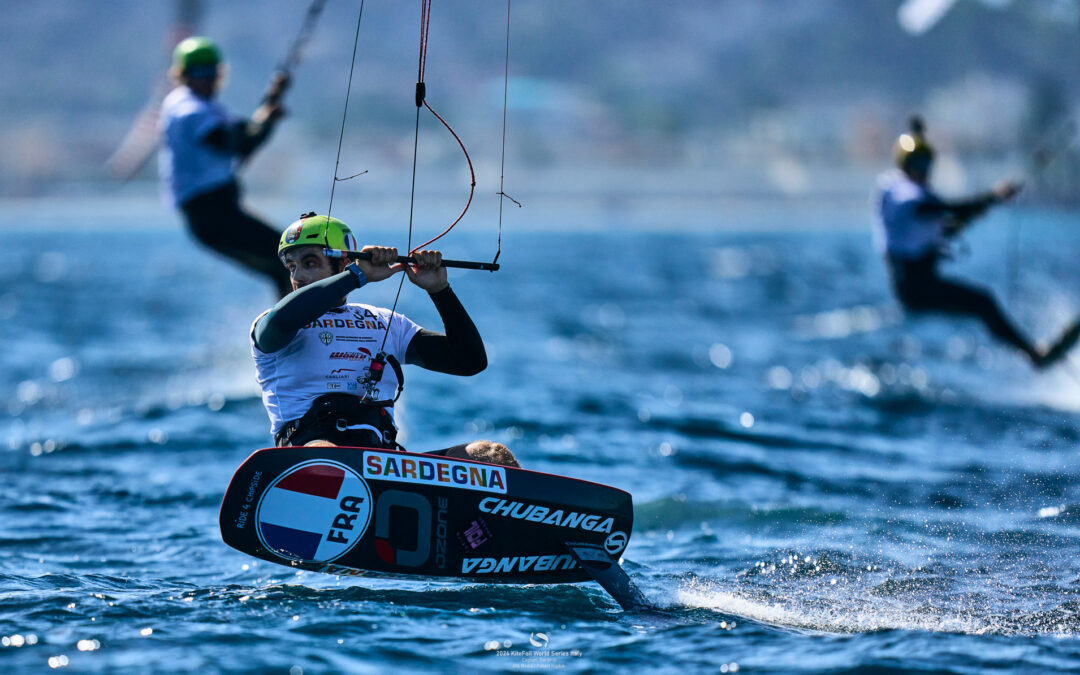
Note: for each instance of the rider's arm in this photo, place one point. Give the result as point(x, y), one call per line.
point(241, 137)
point(460, 351)
point(962, 210)
point(278, 327)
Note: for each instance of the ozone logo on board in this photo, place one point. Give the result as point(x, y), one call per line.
point(616, 542)
point(316, 511)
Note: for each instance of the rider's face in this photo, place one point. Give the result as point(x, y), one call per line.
point(307, 264)
point(918, 168)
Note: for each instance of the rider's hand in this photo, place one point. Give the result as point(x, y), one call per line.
point(428, 272)
point(271, 110)
point(1006, 190)
point(268, 113)
point(383, 263)
point(278, 84)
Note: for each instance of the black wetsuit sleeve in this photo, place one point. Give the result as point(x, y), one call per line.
point(963, 210)
point(278, 327)
point(241, 138)
point(460, 351)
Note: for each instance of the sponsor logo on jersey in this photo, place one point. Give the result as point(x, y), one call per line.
point(355, 338)
point(351, 356)
point(368, 324)
point(333, 385)
point(392, 466)
point(524, 563)
point(542, 514)
point(316, 511)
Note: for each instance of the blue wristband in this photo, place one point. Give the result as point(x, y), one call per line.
point(361, 278)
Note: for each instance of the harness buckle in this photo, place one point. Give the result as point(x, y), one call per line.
point(373, 377)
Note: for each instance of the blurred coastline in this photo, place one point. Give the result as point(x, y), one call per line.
point(703, 102)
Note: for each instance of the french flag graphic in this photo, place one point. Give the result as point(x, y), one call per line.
point(316, 511)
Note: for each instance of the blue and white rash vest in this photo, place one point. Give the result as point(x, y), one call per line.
point(900, 232)
point(188, 166)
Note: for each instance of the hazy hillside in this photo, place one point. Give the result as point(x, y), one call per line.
point(685, 84)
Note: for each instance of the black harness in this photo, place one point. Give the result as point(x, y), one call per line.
point(348, 419)
point(342, 419)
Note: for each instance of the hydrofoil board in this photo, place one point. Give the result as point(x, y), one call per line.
point(364, 511)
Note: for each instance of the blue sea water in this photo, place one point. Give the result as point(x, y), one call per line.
point(820, 486)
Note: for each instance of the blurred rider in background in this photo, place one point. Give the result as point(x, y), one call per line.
point(915, 226)
point(201, 150)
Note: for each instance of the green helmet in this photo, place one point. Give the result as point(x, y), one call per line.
point(197, 55)
point(913, 146)
point(315, 230)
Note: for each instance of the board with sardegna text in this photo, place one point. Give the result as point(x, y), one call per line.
point(362, 511)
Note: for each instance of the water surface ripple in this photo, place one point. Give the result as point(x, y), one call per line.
point(820, 486)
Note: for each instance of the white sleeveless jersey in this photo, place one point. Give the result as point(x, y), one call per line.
point(329, 355)
point(188, 167)
point(900, 232)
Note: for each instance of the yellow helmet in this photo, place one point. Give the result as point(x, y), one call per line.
point(913, 146)
point(317, 230)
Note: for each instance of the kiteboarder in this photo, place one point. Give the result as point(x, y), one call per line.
point(915, 226)
point(330, 371)
point(203, 146)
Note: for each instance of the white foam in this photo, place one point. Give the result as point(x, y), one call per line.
point(850, 610)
